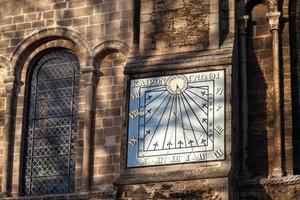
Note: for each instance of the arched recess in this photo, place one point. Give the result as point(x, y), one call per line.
point(272, 4)
point(109, 58)
point(103, 49)
point(43, 36)
point(29, 48)
point(294, 31)
point(259, 89)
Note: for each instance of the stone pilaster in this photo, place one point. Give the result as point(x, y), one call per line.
point(274, 21)
point(89, 84)
point(10, 87)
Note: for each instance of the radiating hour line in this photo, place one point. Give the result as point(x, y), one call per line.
point(155, 97)
point(168, 121)
point(182, 125)
point(200, 87)
point(189, 119)
point(195, 115)
point(175, 119)
point(205, 112)
point(198, 95)
point(157, 109)
point(159, 122)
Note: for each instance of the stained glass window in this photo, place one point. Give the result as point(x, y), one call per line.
point(51, 124)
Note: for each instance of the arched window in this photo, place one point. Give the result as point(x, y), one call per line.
point(50, 126)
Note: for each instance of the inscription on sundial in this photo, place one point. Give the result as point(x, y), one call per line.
point(176, 119)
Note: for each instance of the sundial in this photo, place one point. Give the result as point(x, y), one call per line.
point(176, 119)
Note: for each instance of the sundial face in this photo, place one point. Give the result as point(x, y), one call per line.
point(176, 119)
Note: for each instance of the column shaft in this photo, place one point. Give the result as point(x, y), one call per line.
point(274, 18)
point(88, 118)
point(8, 131)
point(243, 50)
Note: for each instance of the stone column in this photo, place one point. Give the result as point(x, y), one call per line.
point(10, 86)
point(274, 21)
point(89, 77)
point(243, 56)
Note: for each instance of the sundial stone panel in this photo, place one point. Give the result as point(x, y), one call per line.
point(176, 119)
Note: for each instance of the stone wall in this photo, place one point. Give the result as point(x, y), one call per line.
point(96, 20)
point(174, 35)
point(54, 23)
point(174, 23)
point(109, 113)
point(100, 33)
point(197, 189)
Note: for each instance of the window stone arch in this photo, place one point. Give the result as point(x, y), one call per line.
point(51, 124)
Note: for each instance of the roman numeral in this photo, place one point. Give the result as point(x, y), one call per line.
point(135, 95)
point(134, 113)
point(144, 161)
point(219, 129)
point(132, 141)
point(218, 153)
point(219, 107)
point(220, 91)
point(201, 156)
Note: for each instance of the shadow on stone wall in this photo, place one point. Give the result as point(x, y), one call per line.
point(294, 13)
point(224, 21)
point(259, 67)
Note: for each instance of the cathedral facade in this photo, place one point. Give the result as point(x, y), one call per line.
point(150, 99)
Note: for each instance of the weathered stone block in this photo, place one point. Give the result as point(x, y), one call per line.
point(92, 31)
point(147, 7)
point(66, 22)
point(180, 22)
point(85, 11)
point(98, 19)
point(48, 14)
point(38, 24)
point(110, 141)
point(81, 21)
point(18, 19)
point(111, 28)
point(109, 7)
point(59, 5)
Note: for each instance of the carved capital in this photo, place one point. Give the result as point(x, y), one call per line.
point(274, 20)
point(243, 22)
point(273, 4)
point(89, 76)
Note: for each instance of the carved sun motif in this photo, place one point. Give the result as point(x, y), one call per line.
point(176, 84)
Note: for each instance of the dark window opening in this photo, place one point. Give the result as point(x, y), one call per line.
point(51, 124)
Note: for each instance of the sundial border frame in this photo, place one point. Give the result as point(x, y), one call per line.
point(167, 73)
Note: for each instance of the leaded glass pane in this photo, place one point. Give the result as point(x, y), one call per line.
point(51, 125)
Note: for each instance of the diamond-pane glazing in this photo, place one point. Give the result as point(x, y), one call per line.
point(51, 132)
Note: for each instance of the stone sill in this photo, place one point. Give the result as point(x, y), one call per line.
point(72, 196)
point(161, 174)
point(285, 180)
